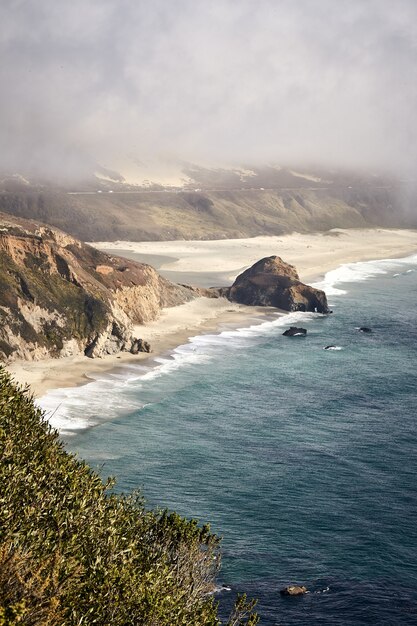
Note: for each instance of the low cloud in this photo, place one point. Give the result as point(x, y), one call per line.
point(217, 82)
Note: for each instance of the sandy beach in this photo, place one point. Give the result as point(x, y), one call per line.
point(171, 329)
point(313, 254)
point(201, 263)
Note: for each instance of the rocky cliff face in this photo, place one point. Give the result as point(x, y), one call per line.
point(272, 282)
point(59, 297)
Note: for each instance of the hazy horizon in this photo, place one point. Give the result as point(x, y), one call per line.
point(141, 89)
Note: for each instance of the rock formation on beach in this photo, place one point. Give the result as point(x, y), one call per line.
point(272, 282)
point(60, 297)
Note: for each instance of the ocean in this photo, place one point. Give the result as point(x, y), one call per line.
point(303, 459)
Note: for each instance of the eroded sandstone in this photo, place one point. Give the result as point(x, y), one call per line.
point(60, 297)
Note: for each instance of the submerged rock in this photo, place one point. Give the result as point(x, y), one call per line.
point(294, 331)
point(272, 282)
point(294, 590)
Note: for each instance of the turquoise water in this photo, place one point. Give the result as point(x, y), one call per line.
point(303, 459)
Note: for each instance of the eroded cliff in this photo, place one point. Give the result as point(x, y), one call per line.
point(60, 297)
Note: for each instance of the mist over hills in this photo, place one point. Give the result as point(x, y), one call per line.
point(215, 83)
point(213, 203)
point(129, 97)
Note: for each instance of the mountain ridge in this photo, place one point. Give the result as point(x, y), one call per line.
point(215, 204)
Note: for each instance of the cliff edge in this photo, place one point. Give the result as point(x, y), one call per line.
point(60, 297)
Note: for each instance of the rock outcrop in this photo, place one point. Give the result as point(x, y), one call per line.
point(60, 297)
point(295, 331)
point(294, 590)
point(272, 282)
point(139, 345)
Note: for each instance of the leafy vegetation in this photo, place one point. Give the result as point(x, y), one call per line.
point(74, 553)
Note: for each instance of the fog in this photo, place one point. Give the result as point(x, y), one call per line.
point(135, 85)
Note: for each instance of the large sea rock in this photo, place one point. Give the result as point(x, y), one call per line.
point(272, 282)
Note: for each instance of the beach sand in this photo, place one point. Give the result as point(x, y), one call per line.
point(313, 254)
point(217, 263)
point(173, 328)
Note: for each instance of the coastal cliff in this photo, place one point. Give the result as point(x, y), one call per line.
point(60, 297)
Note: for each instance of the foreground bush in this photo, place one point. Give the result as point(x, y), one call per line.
point(73, 553)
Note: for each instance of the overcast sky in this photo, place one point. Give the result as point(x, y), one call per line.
point(217, 82)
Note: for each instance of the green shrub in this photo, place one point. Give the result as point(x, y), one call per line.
point(73, 553)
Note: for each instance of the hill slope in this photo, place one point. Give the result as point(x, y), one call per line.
point(216, 204)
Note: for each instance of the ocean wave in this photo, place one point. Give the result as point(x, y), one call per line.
point(178, 359)
point(107, 396)
point(360, 271)
point(72, 409)
point(202, 349)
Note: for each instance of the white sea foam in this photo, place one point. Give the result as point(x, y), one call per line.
point(107, 397)
point(360, 271)
point(76, 408)
point(220, 589)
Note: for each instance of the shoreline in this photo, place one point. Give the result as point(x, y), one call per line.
point(176, 325)
point(164, 335)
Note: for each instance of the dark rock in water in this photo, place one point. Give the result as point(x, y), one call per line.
point(365, 329)
point(293, 590)
point(272, 282)
point(139, 345)
point(293, 331)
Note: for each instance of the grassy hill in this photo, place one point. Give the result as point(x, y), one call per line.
point(216, 204)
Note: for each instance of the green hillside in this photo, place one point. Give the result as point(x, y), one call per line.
point(216, 204)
